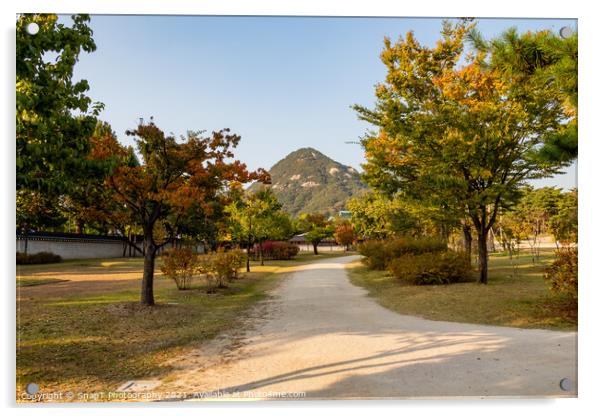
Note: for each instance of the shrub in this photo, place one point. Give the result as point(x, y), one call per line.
point(238, 259)
point(434, 268)
point(408, 245)
point(374, 254)
point(562, 273)
point(286, 251)
point(221, 266)
point(42, 257)
point(378, 254)
point(279, 250)
point(206, 268)
point(228, 263)
point(180, 264)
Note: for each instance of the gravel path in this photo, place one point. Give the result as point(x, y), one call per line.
point(323, 337)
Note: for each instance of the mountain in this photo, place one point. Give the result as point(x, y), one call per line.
point(309, 181)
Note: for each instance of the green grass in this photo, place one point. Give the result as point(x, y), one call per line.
point(520, 299)
point(130, 264)
point(96, 335)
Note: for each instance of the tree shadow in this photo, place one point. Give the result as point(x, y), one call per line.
point(462, 364)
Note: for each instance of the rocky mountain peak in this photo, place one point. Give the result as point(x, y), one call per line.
point(306, 180)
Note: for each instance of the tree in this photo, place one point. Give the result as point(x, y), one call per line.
point(470, 133)
point(530, 218)
point(204, 222)
point(90, 202)
point(275, 225)
point(562, 274)
point(545, 59)
point(374, 215)
point(504, 231)
point(172, 177)
point(316, 229)
point(55, 118)
point(535, 209)
point(259, 217)
point(35, 211)
point(564, 223)
point(344, 234)
point(272, 223)
point(253, 219)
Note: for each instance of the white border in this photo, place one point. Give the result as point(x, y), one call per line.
point(589, 174)
point(509, 8)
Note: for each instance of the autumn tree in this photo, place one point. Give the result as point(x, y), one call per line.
point(173, 176)
point(93, 205)
point(55, 117)
point(468, 132)
point(344, 234)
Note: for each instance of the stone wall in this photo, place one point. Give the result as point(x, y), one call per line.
point(321, 247)
point(83, 246)
point(74, 248)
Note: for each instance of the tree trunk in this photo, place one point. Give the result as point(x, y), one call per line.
point(261, 252)
point(482, 243)
point(467, 240)
point(248, 257)
point(491, 241)
point(26, 240)
point(444, 233)
point(147, 296)
point(315, 248)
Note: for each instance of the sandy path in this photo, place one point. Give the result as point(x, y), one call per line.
point(323, 336)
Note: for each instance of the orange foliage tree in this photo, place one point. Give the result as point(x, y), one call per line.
point(173, 177)
point(466, 135)
point(344, 234)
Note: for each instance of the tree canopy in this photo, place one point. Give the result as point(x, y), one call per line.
point(542, 60)
point(316, 228)
point(256, 217)
point(469, 132)
point(55, 117)
point(172, 177)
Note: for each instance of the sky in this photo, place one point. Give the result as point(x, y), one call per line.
point(282, 83)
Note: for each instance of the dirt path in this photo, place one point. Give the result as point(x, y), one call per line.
point(322, 336)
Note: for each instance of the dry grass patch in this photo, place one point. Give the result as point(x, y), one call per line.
point(520, 299)
point(90, 333)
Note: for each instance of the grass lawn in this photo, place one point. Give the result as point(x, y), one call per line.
point(89, 333)
point(24, 281)
point(522, 300)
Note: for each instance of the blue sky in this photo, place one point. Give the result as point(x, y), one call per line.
point(280, 82)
